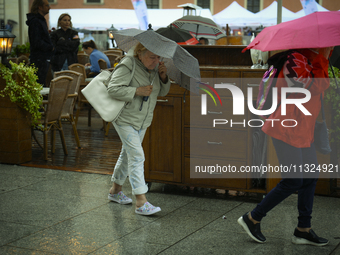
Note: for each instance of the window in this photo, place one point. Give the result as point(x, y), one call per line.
point(93, 1)
point(253, 5)
point(205, 4)
point(152, 4)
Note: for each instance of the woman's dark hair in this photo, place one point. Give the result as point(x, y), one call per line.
point(91, 44)
point(35, 6)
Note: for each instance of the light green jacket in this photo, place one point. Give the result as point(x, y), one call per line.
point(119, 88)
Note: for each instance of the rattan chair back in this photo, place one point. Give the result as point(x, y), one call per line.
point(70, 101)
point(59, 90)
point(83, 58)
point(80, 69)
point(102, 64)
point(112, 58)
point(114, 51)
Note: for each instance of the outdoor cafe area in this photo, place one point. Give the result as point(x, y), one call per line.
point(98, 147)
point(177, 121)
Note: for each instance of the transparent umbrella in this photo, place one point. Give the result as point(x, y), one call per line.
point(181, 65)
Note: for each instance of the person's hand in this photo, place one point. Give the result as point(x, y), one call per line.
point(162, 71)
point(326, 51)
point(144, 91)
point(87, 64)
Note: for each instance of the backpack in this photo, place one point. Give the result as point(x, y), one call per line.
point(265, 97)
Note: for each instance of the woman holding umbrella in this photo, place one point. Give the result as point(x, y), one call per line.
point(313, 38)
point(305, 68)
point(149, 81)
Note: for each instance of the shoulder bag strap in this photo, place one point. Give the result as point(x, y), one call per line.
point(132, 71)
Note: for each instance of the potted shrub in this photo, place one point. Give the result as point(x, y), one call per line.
point(20, 101)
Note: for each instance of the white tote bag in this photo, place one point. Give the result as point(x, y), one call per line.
point(96, 93)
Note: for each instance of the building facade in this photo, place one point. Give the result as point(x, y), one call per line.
point(15, 10)
point(215, 6)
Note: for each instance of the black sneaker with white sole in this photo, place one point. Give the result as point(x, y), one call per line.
point(253, 230)
point(308, 238)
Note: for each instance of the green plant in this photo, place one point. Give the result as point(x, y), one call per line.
point(23, 89)
point(20, 49)
point(333, 97)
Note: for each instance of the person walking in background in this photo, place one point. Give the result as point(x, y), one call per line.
point(294, 145)
point(90, 49)
point(66, 42)
point(41, 46)
point(134, 119)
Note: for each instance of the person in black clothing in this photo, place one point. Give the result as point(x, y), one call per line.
point(41, 46)
point(66, 42)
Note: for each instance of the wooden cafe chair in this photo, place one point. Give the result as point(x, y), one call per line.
point(51, 118)
point(81, 99)
point(83, 58)
point(112, 58)
point(118, 52)
point(68, 109)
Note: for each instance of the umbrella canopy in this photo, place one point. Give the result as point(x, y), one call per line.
point(200, 27)
point(316, 30)
point(178, 35)
point(181, 64)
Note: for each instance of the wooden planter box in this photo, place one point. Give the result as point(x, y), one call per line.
point(15, 132)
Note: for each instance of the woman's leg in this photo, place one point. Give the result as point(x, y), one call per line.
point(132, 162)
point(307, 190)
point(288, 156)
point(120, 172)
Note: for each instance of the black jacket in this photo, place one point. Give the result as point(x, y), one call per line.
point(41, 46)
point(66, 47)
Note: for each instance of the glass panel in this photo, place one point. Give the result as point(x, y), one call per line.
point(205, 4)
point(253, 5)
point(152, 4)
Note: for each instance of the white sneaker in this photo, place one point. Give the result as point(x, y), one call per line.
point(147, 209)
point(120, 198)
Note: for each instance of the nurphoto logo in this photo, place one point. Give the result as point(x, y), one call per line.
point(238, 102)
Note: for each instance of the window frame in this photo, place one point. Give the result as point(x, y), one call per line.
point(260, 5)
point(158, 7)
point(100, 2)
point(210, 1)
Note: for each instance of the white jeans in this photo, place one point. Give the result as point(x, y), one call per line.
point(131, 159)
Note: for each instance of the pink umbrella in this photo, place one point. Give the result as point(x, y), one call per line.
point(316, 30)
